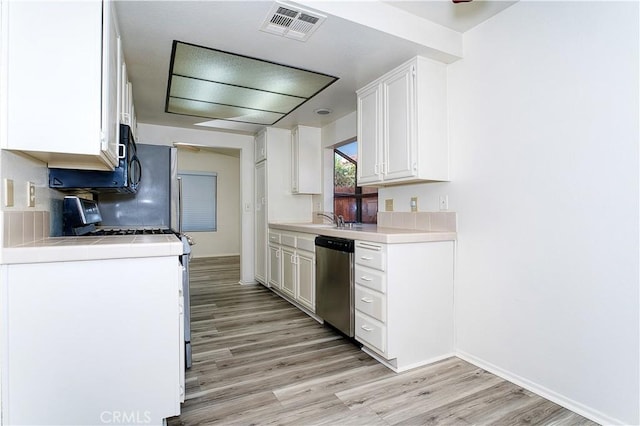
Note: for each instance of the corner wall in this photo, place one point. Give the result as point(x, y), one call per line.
point(544, 134)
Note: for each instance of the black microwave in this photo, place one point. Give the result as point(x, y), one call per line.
point(125, 178)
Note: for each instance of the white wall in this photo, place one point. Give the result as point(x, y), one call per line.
point(165, 135)
point(544, 132)
point(225, 241)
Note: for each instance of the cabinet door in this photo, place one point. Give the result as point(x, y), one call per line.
point(260, 147)
point(369, 135)
point(111, 69)
point(53, 52)
point(306, 280)
point(295, 160)
point(127, 329)
point(261, 223)
point(399, 124)
point(275, 266)
point(289, 272)
point(306, 160)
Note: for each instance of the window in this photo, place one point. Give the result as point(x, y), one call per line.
point(199, 199)
point(354, 203)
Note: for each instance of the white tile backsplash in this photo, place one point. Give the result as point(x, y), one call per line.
point(422, 221)
point(21, 227)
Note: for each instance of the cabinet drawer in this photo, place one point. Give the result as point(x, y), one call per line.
point(371, 255)
point(288, 240)
point(274, 237)
point(306, 244)
point(370, 332)
point(376, 280)
point(371, 303)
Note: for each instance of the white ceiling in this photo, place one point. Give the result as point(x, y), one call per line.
point(353, 52)
point(459, 17)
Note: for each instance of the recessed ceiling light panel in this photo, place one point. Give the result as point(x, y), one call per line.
point(210, 83)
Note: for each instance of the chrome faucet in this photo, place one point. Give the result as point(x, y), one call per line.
point(338, 220)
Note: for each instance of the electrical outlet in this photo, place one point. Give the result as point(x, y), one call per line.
point(444, 202)
point(388, 205)
point(31, 194)
point(414, 204)
point(8, 192)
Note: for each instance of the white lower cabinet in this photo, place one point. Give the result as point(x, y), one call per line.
point(289, 271)
point(274, 260)
point(404, 302)
point(306, 265)
point(89, 342)
point(275, 266)
point(292, 267)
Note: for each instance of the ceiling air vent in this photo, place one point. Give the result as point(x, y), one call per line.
point(291, 22)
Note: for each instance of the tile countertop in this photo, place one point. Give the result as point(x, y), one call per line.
point(66, 249)
point(368, 232)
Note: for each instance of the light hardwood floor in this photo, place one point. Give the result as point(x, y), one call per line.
point(259, 360)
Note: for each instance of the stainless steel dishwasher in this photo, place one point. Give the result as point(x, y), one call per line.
point(334, 282)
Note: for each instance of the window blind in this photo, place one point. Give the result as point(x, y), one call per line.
point(199, 198)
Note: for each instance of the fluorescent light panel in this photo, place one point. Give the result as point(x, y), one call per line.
point(210, 83)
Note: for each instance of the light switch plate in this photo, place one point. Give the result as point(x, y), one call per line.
point(388, 205)
point(444, 202)
point(8, 192)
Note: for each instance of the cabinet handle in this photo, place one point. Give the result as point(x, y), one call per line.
point(367, 300)
point(369, 246)
point(376, 169)
point(278, 254)
point(366, 257)
point(365, 278)
point(366, 328)
point(122, 151)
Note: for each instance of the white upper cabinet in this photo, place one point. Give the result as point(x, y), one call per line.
point(59, 82)
point(369, 134)
point(260, 147)
point(402, 125)
point(306, 160)
point(125, 94)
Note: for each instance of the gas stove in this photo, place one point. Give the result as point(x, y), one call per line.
point(130, 231)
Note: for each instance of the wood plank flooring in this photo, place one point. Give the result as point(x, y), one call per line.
point(258, 360)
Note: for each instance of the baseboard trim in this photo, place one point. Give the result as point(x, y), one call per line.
point(544, 392)
point(404, 368)
point(248, 282)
